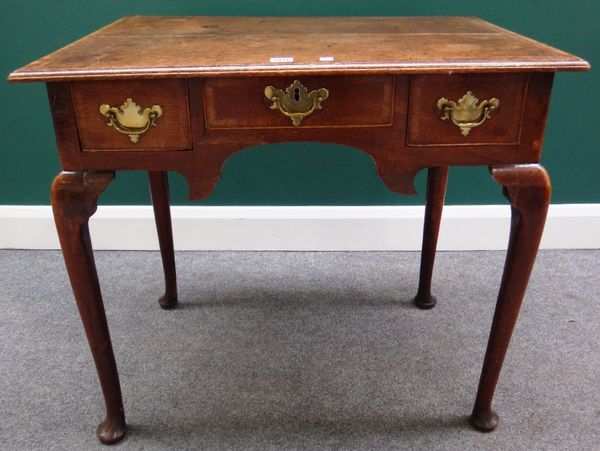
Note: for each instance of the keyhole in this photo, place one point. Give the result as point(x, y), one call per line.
point(297, 94)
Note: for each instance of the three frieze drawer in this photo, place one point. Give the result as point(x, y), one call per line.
point(458, 109)
point(303, 101)
point(465, 109)
point(132, 115)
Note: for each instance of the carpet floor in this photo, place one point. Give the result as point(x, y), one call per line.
point(300, 350)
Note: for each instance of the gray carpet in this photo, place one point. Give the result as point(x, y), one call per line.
point(300, 351)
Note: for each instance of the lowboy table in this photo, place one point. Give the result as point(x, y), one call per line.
point(184, 93)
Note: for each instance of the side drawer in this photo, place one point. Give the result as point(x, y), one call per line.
point(502, 126)
point(352, 101)
point(171, 129)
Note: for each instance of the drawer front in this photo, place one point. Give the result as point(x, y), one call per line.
point(461, 119)
point(351, 101)
point(157, 118)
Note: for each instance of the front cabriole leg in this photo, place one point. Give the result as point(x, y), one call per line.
point(74, 199)
point(527, 187)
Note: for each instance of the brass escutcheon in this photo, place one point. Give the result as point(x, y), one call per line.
point(129, 118)
point(296, 102)
point(467, 113)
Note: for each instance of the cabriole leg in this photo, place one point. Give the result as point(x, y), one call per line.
point(74, 199)
point(527, 187)
point(159, 189)
point(436, 191)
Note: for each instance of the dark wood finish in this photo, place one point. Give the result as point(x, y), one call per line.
point(527, 187)
point(396, 162)
point(172, 131)
point(534, 115)
point(384, 75)
point(159, 190)
point(353, 101)
point(74, 199)
point(65, 125)
point(143, 47)
point(503, 127)
point(196, 105)
point(437, 178)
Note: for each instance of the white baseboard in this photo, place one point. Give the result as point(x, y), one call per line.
point(473, 227)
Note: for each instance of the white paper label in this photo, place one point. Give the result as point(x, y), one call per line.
point(326, 58)
point(281, 59)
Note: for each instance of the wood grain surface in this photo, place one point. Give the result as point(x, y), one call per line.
point(211, 46)
point(503, 127)
point(356, 100)
point(172, 130)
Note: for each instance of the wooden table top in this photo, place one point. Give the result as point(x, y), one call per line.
point(210, 46)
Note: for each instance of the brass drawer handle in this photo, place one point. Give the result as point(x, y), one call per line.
point(129, 118)
point(467, 113)
point(296, 102)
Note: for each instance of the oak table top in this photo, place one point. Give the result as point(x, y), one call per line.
point(185, 93)
point(216, 46)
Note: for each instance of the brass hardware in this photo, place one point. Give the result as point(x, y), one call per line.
point(129, 118)
point(296, 102)
point(468, 112)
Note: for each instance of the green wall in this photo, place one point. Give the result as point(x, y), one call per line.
point(298, 173)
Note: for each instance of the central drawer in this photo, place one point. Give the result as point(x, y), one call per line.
point(351, 101)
